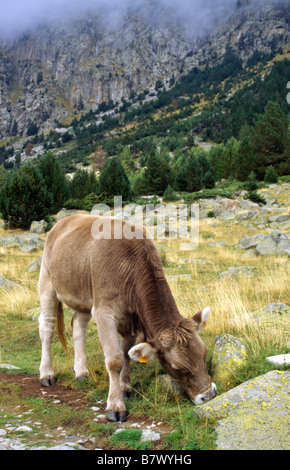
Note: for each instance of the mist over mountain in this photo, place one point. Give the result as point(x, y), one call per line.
point(195, 16)
point(59, 57)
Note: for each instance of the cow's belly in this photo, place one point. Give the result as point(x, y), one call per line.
point(79, 305)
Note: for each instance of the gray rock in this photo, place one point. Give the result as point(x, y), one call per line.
point(218, 243)
point(247, 215)
point(275, 243)
point(38, 226)
point(271, 313)
point(26, 242)
point(279, 218)
point(266, 247)
point(64, 213)
point(252, 416)
point(229, 354)
point(149, 435)
point(250, 242)
point(7, 284)
point(35, 266)
point(236, 271)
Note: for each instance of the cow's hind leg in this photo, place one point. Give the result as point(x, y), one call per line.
point(126, 344)
point(80, 323)
point(47, 320)
point(104, 317)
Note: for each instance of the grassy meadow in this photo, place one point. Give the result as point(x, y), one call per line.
point(230, 300)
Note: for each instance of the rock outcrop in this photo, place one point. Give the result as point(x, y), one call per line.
point(57, 70)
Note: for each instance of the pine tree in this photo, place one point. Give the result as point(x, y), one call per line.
point(24, 197)
point(271, 175)
point(156, 175)
point(83, 183)
point(244, 160)
point(193, 174)
point(55, 181)
point(269, 137)
point(114, 180)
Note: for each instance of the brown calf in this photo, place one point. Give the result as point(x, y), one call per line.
point(120, 282)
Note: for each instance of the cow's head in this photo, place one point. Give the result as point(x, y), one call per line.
point(182, 354)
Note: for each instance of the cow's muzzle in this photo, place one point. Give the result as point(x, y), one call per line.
point(204, 397)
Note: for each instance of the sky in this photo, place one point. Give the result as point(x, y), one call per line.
point(17, 16)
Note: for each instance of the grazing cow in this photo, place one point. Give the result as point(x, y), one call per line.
point(231, 204)
point(120, 282)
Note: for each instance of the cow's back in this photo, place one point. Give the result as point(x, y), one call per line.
point(83, 269)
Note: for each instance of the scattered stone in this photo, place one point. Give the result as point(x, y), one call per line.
point(235, 271)
point(149, 435)
point(218, 243)
point(250, 242)
point(279, 218)
point(252, 416)
point(7, 284)
point(64, 213)
point(38, 226)
point(271, 313)
point(26, 242)
point(229, 354)
point(35, 266)
point(280, 359)
point(3, 432)
point(8, 366)
point(23, 429)
point(276, 242)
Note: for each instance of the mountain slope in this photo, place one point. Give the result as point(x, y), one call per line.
point(62, 69)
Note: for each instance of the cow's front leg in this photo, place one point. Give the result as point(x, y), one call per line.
point(80, 323)
point(104, 317)
point(126, 344)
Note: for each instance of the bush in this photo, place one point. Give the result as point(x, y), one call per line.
point(169, 194)
point(251, 183)
point(55, 181)
point(255, 197)
point(24, 197)
point(271, 176)
point(114, 180)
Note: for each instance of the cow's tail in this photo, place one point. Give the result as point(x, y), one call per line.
point(60, 326)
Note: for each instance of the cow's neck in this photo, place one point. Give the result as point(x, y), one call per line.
point(156, 308)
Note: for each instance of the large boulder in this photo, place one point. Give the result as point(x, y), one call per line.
point(229, 354)
point(271, 313)
point(276, 242)
point(254, 415)
point(38, 226)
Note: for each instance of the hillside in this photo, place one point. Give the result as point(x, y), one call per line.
point(55, 71)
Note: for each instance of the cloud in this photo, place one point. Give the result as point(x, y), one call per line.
point(195, 15)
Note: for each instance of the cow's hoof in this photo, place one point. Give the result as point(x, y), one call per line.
point(116, 415)
point(81, 378)
point(128, 394)
point(111, 415)
point(48, 382)
point(122, 416)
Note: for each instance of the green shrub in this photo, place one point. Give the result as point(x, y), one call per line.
point(24, 197)
point(271, 175)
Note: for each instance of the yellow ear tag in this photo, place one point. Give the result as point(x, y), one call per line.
point(143, 359)
point(204, 324)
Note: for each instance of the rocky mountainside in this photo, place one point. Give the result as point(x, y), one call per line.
point(57, 70)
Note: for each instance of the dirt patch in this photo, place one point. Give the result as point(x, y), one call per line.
point(30, 385)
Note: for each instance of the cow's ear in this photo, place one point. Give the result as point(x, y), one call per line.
point(142, 352)
point(201, 317)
